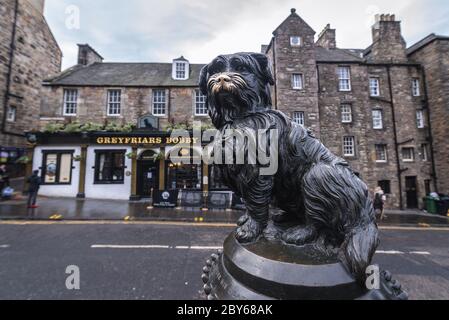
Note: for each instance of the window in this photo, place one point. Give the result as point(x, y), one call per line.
point(416, 88)
point(57, 167)
point(374, 88)
point(299, 118)
point(408, 154)
point(420, 119)
point(180, 70)
point(385, 185)
point(381, 153)
point(295, 41)
point(11, 114)
point(344, 78)
point(297, 81)
point(346, 113)
point(159, 103)
point(349, 146)
point(183, 176)
point(425, 152)
point(114, 102)
point(110, 167)
point(378, 120)
point(70, 102)
point(200, 103)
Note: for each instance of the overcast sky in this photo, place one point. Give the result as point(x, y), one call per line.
point(159, 31)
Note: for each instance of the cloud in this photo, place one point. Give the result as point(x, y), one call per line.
point(151, 31)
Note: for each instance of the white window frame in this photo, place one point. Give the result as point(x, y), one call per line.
point(374, 87)
point(381, 149)
point(346, 113)
point(199, 104)
point(159, 103)
point(71, 99)
point(297, 81)
point(114, 103)
point(180, 68)
point(294, 43)
point(344, 79)
point(416, 87)
point(11, 114)
point(378, 121)
point(420, 123)
point(349, 146)
point(425, 152)
point(299, 117)
point(412, 159)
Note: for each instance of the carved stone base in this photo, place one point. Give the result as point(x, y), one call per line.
point(271, 270)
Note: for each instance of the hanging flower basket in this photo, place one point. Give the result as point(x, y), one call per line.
point(131, 155)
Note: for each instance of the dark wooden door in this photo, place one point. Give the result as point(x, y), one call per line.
point(147, 178)
point(411, 190)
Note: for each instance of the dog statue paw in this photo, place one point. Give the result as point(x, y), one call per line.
point(250, 231)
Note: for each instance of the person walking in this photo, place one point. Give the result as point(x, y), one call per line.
point(33, 189)
point(379, 202)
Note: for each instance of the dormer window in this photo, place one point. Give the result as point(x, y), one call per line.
point(180, 69)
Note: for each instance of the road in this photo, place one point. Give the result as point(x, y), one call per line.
point(164, 261)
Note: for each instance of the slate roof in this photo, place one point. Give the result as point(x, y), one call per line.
point(125, 75)
point(338, 55)
point(424, 42)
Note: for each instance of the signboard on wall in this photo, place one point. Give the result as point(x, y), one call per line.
point(165, 199)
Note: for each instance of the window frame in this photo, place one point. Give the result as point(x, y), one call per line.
point(348, 155)
point(66, 102)
point(384, 150)
point(412, 159)
point(303, 117)
point(58, 153)
point(292, 44)
point(341, 78)
point(377, 87)
point(301, 81)
point(416, 87)
point(425, 152)
point(380, 112)
point(343, 113)
point(96, 168)
point(109, 103)
point(198, 99)
point(420, 119)
point(14, 114)
point(154, 103)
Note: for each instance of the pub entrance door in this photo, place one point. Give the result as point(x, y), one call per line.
point(147, 174)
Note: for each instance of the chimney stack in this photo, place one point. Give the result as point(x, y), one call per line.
point(388, 43)
point(87, 55)
point(327, 38)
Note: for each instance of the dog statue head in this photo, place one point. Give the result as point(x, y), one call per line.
point(236, 85)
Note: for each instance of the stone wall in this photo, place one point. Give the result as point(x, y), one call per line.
point(435, 59)
point(36, 57)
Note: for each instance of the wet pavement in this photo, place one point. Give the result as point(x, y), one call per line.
point(89, 209)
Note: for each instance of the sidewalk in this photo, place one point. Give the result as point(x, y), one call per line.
point(84, 210)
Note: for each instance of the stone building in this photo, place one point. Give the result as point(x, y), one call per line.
point(382, 108)
point(371, 106)
point(28, 54)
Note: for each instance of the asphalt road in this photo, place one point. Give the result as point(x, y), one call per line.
point(154, 261)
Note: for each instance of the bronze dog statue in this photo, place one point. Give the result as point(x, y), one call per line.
point(312, 186)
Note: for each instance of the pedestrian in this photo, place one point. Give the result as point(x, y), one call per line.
point(379, 202)
point(33, 189)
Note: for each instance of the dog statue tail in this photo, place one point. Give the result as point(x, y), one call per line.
point(361, 243)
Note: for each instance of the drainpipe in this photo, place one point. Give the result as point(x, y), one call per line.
point(9, 74)
point(396, 143)
point(275, 75)
point(429, 125)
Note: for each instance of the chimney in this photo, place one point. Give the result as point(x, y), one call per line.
point(327, 38)
point(87, 55)
point(39, 5)
point(388, 43)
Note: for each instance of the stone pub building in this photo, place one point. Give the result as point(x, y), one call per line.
point(383, 108)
